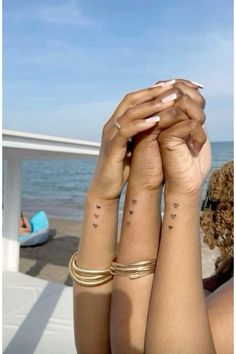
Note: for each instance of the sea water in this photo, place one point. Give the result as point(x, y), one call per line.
point(59, 187)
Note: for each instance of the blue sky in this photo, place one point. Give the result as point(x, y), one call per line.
point(68, 63)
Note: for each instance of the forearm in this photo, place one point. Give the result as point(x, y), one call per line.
point(130, 298)
point(178, 320)
point(96, 250)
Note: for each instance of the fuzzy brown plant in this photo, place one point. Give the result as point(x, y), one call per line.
point(216, 219)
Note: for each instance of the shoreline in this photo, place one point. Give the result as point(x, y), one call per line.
point(50, 261)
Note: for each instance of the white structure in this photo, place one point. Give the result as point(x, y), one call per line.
point(19, 146)
point(37, 314)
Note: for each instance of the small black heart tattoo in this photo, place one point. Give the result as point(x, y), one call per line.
point(134, 201)
point(170, 227)
point(96, 215)
point(95, 225)
point(128, 223)
point(172, 216)
point(98, 206)
point(176, 205)
point(131, 212)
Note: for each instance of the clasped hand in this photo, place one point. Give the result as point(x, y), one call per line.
point(169, 143)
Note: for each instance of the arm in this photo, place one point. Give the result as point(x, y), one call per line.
point(25, 226)
point(178, 319)
point(98, 240)
point(141, 228)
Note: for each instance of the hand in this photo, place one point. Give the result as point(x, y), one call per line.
point(113, 164)
point(186, 157)
point(146, 166)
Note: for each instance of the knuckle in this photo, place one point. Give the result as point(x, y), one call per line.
point(178, 91)
point(123, 131)
point(193, 124)
point(203, 117)
point(174, 112)
point(185, 99)
point(129, 97)
point(202, 101)
point(130, 112)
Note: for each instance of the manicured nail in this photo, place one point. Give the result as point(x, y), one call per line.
point(165, 84)
point(197, 84)
point(169, 98)
point(153, 119)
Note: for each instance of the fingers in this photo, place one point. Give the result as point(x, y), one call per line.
point(138, 97)
point(183, 108)
point(171, 116)
point(191, 108)
point(188, 130)
point(189, 83)
point(193, 94)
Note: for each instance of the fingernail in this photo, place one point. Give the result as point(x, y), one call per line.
point(169, 98)
point(153, 119)
point(197, 84)
point(165, 84)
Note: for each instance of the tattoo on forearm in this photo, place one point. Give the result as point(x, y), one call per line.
point(172, 215)
point(131, 211)
point(98, 207)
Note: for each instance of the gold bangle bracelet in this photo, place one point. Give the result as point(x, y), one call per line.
point(133, 270)
point(88, 277)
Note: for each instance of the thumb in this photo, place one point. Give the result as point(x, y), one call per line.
point(189, 131)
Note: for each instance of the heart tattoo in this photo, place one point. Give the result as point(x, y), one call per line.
point(96, 216)
point(170, 227)
point(95, 225)
point(172, 216)
point(131, 212)
point(128, 223)
point(176, 205)
point(134, 201)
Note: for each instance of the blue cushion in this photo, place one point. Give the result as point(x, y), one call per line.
point(39, 221)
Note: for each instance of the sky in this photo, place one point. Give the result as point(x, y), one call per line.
point(68, 63)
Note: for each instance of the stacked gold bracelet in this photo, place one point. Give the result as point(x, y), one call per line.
point(94, 277)
point(134, 270)
point(88, 277)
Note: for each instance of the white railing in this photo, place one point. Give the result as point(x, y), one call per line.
point(20, 146)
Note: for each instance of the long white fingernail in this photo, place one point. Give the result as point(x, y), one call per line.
point(165, 84)
point(169, 98)
point(197, 83)
point(153, 119)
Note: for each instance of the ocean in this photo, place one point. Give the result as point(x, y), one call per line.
point(59, 187)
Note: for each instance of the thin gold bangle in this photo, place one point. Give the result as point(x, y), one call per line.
point(88, 277)
point(133, 270)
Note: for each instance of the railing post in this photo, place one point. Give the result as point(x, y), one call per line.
point(11, 215)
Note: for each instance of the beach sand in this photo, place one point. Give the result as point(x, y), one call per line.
point(50, 261)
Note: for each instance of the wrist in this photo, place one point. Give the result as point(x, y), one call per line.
point(189, 200)
point(138, 190)
point(93, 196)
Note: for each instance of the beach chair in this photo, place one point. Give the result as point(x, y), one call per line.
point(40, 230)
